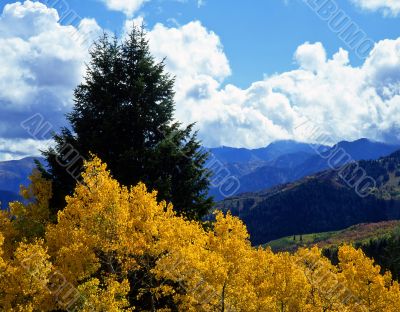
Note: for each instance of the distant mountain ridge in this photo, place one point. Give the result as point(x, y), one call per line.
point(255, 169)
point(269, 167)
point(322, 202)
point(266, 154)
point(14, 173)
point(362, 149)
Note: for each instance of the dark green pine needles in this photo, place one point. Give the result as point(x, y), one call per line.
point(124, 114)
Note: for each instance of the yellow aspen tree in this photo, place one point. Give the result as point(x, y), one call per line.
point(262, 261)
point(393, 300)
point(110, 297)
point(9, 234)
point(289, 285)
point(24, 280)
point(326, 290)
point(229, 241)
point(30, 218)
point(368, 290)
point(107, 229)
point(95, 229)
point(215, 271)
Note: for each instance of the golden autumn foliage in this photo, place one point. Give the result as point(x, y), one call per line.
point(115, 248)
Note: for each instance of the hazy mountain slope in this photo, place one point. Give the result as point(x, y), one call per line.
point(345, 151)
point(291, 167)
point(6, 197)
point(261, 155)
point(320, 203)
point(258, 169)
point(275, 160)
point(14, 173)
point(286, 147)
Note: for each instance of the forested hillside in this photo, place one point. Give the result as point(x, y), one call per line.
point(320, 203)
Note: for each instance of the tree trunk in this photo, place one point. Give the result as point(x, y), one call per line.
point(223, 298)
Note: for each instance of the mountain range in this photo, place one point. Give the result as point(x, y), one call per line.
point(287, 161)
point(255, 169)
point(14, 173)
point(361, 192)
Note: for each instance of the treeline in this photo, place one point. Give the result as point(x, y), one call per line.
point(115, 248)
point(313, 206)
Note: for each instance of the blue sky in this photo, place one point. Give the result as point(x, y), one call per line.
point(261, 38)
point(261, 67)
point(258, 39)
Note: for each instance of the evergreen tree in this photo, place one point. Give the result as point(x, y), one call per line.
point(124, 114)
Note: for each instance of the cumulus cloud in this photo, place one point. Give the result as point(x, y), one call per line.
point(311, 56)
point(42, 61)
point(343, 101)
point(388, 7)
point(195, 55)
point(128, 7)
point(20, 148)
point(41, 64)
point(190, 46)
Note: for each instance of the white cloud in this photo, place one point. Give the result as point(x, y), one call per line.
point(20, 148)
point(388, 7)
point(41, 63)
point(190, 46)
point(311, 56)
point(194, 55)
point(128, 7)
point(345, 101)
